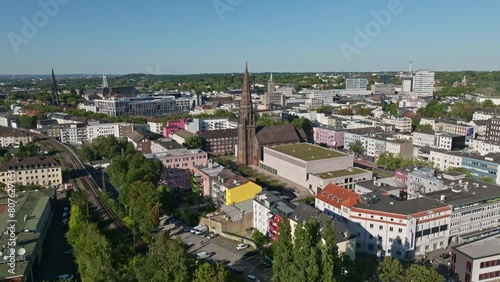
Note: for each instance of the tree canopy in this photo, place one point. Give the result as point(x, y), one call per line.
point(357, 147)
point(194, 142)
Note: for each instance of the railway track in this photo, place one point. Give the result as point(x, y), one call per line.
point(71, 161)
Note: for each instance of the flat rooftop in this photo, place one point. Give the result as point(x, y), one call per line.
point(486, 247)
point(389, 204)
point(308, 152)
point(475, 191)
point(340, 173)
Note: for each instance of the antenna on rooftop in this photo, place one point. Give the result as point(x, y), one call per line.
point(409, 67)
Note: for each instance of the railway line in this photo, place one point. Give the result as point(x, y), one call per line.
point(71, 161)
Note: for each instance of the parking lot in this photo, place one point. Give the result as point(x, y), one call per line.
point(223, 250)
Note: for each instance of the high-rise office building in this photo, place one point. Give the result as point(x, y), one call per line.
point(356, 83)
point(423, 83)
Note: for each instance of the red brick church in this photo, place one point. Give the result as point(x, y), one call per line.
point(251, 139)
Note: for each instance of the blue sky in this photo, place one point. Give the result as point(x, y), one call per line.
point(192, 36)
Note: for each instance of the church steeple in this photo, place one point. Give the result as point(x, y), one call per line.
point(246, 124)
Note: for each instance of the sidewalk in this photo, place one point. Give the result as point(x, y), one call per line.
point(299, 191)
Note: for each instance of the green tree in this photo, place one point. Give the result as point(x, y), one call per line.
point(303, 123)
point(28, 122)
point(346, 112)
point(209, 273)
point(488, 104)
point(143, 205)
point(423, 127)
point(194, 142)
point(283, 256)
point(329, 257)
point(327, 110)
point(363, 111)
point(488, 179)
point(435, 109)
point(462, 170)
point(391, 270)
point(258, 238)
point(93, 255)
point(357, 147)
point(420, 273)
point(167, 260)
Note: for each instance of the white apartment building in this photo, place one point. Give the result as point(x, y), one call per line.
point(9, 136)
point(412, 103)
point(202, 124)
point(73, 134)
point(155, 127)
point(44, 171)
point(402, 124)
point(443, 161)
point(477, 261)
point(267, 208)
point(483, 147)
point(423, 84)
point(119, 130)
point(140, 106)
point(438, 140)
point(475, 208)
point(385, 226)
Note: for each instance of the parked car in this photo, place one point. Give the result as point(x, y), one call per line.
point(68, 252)
point(250, 254)
point(187, 229)
point(66, 208)
point(234, 270)
point(250, 277)
point(444, 256)
point(242, 246)
point(211, 235)
point(65, 214)
point(203, 255)
point(65, 277)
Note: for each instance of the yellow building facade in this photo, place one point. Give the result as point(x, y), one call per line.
point(242, 193)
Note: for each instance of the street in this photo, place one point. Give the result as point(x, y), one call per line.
point(224, 251)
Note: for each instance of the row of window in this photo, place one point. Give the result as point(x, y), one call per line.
point(489, 275)
point(433, 230)
point(490, 263)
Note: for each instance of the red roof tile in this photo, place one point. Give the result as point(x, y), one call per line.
point(338, 196)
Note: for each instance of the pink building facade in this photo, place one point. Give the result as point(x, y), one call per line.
point(178, 166)
point(330, 137)
point(172, 126)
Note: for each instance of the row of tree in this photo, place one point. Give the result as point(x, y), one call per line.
point(391, 161)
point(100, 259)
point(106, 147)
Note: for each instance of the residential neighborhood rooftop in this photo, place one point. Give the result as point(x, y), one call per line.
point(307, 152)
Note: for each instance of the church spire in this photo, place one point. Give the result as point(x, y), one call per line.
point(271, 77)
point(246, 96)
point(246, 125)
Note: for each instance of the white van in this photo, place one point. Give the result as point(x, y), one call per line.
point(201, 229)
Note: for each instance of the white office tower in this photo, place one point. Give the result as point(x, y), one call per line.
point(423, 84)
point(356, 83)
point(407, 84)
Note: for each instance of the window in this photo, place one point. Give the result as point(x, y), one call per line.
point(400, 230)
point(380, 227)
point(370, 247)
point(391, 229)
point(371, 225)
point(390, 240)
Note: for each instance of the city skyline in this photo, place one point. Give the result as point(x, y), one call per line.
point(122, 37)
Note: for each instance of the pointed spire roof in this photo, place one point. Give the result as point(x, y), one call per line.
point(271, 77)
point(245, 95)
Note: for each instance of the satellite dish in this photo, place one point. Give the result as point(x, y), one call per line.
point(21, 251)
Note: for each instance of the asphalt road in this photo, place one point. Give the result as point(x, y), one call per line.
point(54, 261)
point(224, 251)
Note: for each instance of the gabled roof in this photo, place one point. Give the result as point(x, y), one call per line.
point(136, 136)
point(337, 196)
point(284, 133)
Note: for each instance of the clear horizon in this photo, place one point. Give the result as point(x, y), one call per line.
point(219, 36)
